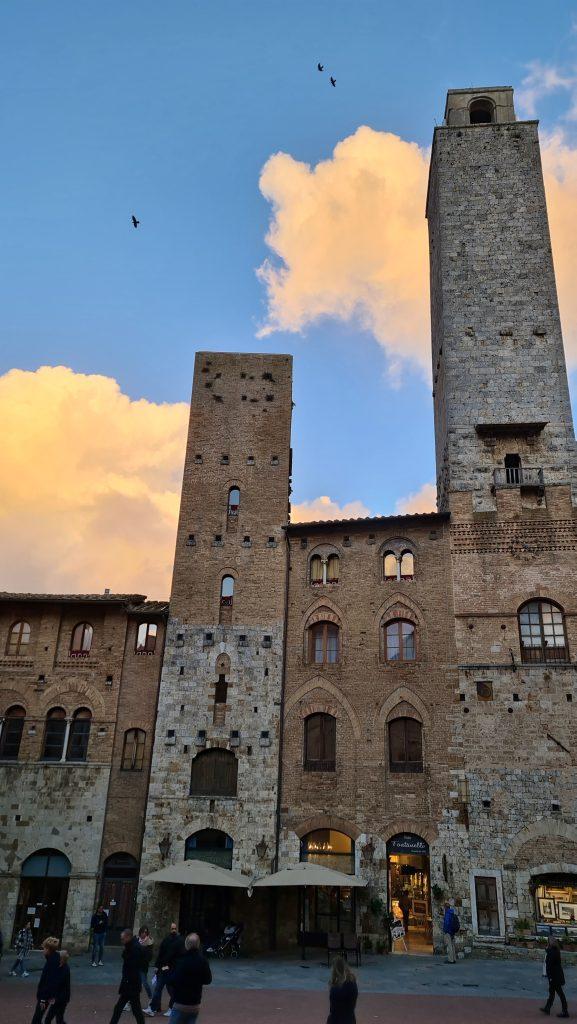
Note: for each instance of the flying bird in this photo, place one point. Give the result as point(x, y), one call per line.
point(333, 82)
point(320, 66)
point(135, 222)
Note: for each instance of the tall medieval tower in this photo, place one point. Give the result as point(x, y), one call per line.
point(214, 786)
point(506, 472)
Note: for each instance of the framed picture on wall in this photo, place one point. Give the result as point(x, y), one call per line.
point(547, 909)
point(419, 908)
point(567, 911)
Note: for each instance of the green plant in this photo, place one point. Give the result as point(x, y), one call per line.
point(522, 925)
point(438, 893)
point(376, 905)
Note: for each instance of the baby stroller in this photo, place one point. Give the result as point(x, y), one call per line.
point(228, 944)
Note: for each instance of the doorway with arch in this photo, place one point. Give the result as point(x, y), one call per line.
point(409, 891)
point(206, 909)
point(118, 893)
point(43, 892)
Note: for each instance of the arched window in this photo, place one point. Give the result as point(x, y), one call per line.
point(324, 643)
point(233, 501)
point(407, 565)
point(146, 638)
point(390, 566)
point(316, 570)
point(211, 845)
point(226, 591)
point(481, 112)
point(11, 734)
point(214, 773)
point(333, 569)
point(54, 734)
point(400, 640)
point(18, 638)
point(79, 735)
point(133, 750)
point(320, 743)
point(405, 745)
point(542, 632)
point(81, 640)
point(329, 848)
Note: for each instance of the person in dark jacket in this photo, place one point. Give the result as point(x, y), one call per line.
point(147, 943)
point(556, 978)
point(186, 980)
point(47, 990)
point(58, 1007)
point(169, 951)
point(98, 927)
point(130, 983)
point(343, 994)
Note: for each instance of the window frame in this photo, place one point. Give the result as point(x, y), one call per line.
point(405, 766)
point(143, 648)
point(537, 653)
point(138, 750)
point(81, 651)
point(79, 736)
point(401, 659)
point(328, 743)
point(5, 739)
point(54, 715)
point(323, 624)
point(233, 508)
point(24, 631)
point(227, 600)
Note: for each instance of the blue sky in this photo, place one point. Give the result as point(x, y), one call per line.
point(170, 110)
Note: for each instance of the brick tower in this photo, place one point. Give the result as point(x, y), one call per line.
point(215, 767)
point(506, 472)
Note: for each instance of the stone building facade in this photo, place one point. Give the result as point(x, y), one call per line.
point(78, 704)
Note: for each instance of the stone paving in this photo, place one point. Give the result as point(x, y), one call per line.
point(423, 990)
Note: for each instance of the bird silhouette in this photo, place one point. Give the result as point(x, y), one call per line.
point(320, 66)
point(333, 82)
point(135, 222)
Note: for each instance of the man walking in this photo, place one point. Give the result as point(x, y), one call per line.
point(23, 945)
point(190, 974)
point(130, 982)
point(555, 977)
point(169, 951)
point(48, 986)
point(98, 926)
point(450, 928)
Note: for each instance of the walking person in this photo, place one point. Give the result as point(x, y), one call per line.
point(98, 927)
point(191, 972)
point(130, 983)
point(23, 945)
point(451, 926)
point(169, 951)
point(58, 1007)
point(555, 977)
point(146, 941)
point(343, 993)
point(405, 905)
point(47, 990)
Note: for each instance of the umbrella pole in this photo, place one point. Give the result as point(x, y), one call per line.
point(303, 901)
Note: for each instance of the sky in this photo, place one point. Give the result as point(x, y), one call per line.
point(277, 214)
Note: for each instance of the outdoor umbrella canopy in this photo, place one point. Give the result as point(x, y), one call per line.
point(307, 873)
point(198, 872)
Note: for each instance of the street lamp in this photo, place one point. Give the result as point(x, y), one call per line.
point(368, 850)
point(164, 846)
point(261, 849)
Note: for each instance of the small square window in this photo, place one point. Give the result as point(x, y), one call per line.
point(170, 732)
point(271, 542)
point(224, 460)
point(569, 697)
point(274, 460)
point(516, 696)
point(198, 458)
point(304, 542)
point(250, 460)
point(191, 540)
point(486, 803)
point(462, 696)
point(181, 670)
point(346, 542)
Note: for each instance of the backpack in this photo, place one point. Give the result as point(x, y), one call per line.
point(455, 924)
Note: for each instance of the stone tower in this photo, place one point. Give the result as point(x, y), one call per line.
point(216, 758)
point(502, 410)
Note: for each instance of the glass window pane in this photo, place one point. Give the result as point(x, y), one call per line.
point(390, 566)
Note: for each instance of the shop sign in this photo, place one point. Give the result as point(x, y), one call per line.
point(408, 843)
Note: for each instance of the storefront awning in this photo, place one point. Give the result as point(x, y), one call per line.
point(307, 873)
point(198, 872)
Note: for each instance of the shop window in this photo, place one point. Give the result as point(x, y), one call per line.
point(542, 632)
point(330, 849)
point(487, 906)
point(214, 773)
point(320, 737)
point(400, 640)
point(79, 735)
point(133, 750)
point(324, 643)
point(54, 735)
point(211, 845)
point(18, 638)
point(405, 745)
point(11, 734)
point(146, 638)
point(556, 900)
point(81, 641)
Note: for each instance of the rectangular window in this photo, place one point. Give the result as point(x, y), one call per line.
point(487, 906)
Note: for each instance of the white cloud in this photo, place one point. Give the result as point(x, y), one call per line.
point(323, 508)
point(423, 500)
point(541, 80)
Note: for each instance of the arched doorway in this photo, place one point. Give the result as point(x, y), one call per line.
point(43, 893)
point(409, 890)
point(205, 908)
point(118, 893)
point(327, 909)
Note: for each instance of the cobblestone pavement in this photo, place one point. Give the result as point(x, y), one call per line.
point(423, 990)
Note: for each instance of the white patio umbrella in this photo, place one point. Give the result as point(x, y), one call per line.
point(308, 873)
point(198, 872)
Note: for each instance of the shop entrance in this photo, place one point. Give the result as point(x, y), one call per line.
point(409, 891)
point(118, 893)
point(206, 909)
point(43, 894)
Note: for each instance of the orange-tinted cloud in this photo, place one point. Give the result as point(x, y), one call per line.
point(90, 484)
point(423, 500)
point(325, 508)
point(349, 239)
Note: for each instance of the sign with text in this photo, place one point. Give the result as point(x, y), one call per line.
point(408, 843)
